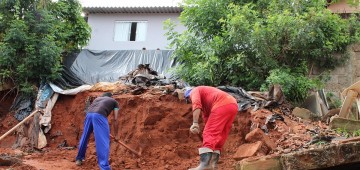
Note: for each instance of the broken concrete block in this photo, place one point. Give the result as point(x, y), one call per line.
point(180, 94)
point(258, 135)
point(247, 150)
point(305, 114)
point(316, 104)
point(276, 94)
point(263, 163)
point(324, 157)
point(344, 124)
point(328, 156)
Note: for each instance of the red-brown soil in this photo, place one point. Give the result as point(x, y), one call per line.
point(155, 124)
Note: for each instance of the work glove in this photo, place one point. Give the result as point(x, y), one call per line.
point(195, 128)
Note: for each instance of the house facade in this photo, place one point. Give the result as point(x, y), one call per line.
point(130, 24)
point(344, 7)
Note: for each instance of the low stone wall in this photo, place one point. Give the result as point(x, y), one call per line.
point(346, 75)
point(355, 63)
point(326, 157)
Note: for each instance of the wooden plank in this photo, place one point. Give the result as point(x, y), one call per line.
point(358, 108)
point(354, 139)
point(127, 147)
point(23, 121)
point(355, 87)
point(349, 99)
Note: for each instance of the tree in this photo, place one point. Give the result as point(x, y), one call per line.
point(34, 36)
point(240, 42)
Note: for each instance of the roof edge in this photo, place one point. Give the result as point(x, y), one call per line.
point(157, 9)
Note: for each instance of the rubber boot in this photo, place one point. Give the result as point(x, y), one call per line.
point(214, 160)
point(204, 161)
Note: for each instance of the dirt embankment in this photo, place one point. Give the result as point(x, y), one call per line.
point(155, 124)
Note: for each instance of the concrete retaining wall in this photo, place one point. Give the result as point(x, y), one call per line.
point(326, 157)
point(344, 76)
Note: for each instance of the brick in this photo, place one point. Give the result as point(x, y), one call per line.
point(258, 135)
point(247, 150)
point(305, 114)
point(263, 163)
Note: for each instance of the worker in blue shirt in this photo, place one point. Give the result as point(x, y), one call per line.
point(96, 121)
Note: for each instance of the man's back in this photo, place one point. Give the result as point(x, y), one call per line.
point(209, 98)
point(103, 105)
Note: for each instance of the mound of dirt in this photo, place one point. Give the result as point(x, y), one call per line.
point(154, 124)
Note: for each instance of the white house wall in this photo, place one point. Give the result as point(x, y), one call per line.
point(343, 7)
point(102, 35)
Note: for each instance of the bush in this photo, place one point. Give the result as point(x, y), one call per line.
point(295, 86)
point(34, 36)
point(242, 42)
point(334, 101)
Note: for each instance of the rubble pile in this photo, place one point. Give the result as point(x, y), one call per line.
point(155, 121)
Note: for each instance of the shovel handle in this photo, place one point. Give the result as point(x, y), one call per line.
point(22, 122)
point(127, 147)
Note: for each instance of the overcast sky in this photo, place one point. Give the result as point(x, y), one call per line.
point(128, 3)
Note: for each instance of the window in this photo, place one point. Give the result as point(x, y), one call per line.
point(130, 31)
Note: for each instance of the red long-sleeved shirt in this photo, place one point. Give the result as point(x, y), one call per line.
point(209, 98)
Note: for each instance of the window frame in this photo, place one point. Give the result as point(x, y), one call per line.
point(130, 33)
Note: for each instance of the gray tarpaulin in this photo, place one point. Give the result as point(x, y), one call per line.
point(107, 66)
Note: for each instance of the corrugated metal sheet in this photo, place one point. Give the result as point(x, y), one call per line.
point(158, 9)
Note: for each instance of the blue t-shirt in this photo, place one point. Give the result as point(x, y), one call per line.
point(103, 105)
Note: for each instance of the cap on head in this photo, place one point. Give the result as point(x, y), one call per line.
point(107, 94)
point(187, 92)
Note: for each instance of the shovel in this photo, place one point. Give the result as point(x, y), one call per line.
point(127, 147)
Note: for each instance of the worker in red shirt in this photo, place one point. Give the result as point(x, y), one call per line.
point(218, 110)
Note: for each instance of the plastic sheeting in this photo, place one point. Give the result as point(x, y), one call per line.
point(107, 66)
point(73, 91)
point(22, 106)
point(44, 95)
point(68, 79)
point(244, 99)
